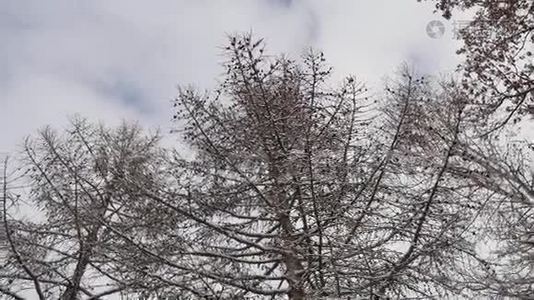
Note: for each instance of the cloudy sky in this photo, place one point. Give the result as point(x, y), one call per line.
point(111, 60)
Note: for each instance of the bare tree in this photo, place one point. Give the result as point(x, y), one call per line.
point(445, 206)
point(292, 189)
point(498, 75)
point(498, 47)
point(503, 168)
point(490, 181)
point(78, 184)
point(5, 236)
point(295, 191)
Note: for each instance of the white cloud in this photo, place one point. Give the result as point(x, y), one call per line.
point(118, 59)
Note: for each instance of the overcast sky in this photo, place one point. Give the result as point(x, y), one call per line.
point(111, 60)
